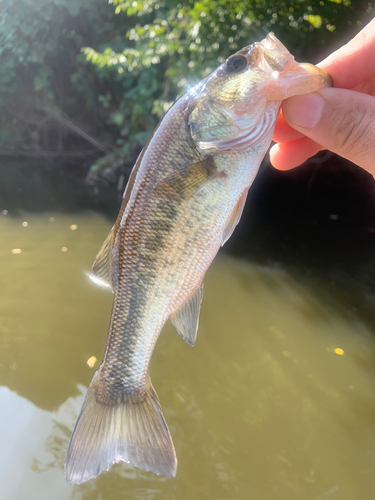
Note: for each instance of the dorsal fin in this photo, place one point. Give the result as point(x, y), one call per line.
point(101, 269)
point(186, 319)
point(234, 217)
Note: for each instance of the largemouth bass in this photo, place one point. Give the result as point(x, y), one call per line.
point(183, 200)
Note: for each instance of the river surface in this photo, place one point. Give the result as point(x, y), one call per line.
point(275, 402)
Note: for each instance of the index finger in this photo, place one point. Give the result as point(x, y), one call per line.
point(284, 132)
point(353, 63)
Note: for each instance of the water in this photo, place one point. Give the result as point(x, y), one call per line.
point(275, 401)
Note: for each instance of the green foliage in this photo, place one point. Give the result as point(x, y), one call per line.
point(42, 66)
point(172, 45)
point(115, 75)
point(29, 38)
point(194, 35)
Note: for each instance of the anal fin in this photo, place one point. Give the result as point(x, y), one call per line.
point(186, 319)
point(234, 217)
point(101, 269)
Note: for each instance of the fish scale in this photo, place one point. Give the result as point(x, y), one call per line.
point(183, 200)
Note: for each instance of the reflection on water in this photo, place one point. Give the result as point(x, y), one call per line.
point(32, 444)
point(275, 401)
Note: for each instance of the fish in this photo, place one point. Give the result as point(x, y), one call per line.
point(183, 200)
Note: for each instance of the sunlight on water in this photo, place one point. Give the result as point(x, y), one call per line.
point(276, 401)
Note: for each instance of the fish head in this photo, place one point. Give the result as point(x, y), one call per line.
point(238, 103)
point(261, 70)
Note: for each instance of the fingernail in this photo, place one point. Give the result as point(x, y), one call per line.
point(304, 110)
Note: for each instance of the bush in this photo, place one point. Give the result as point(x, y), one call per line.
point(77, 79)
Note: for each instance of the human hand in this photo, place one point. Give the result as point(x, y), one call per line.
point(341, 119)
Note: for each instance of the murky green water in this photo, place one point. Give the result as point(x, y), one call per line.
point(262, 408)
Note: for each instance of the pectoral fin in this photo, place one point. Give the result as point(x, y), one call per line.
point(186, 319)
point(234, 217)
point(188, 181)
point(101, 269)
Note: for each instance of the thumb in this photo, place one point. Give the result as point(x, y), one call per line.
point(340, 120)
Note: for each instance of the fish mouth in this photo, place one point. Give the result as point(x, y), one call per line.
point(298, 79)
point(310, 69)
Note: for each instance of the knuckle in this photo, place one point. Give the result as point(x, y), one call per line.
point(352, 128)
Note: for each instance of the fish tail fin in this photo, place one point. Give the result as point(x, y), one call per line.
point(131, 429)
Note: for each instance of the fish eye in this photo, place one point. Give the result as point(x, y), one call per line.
point(236, 63)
